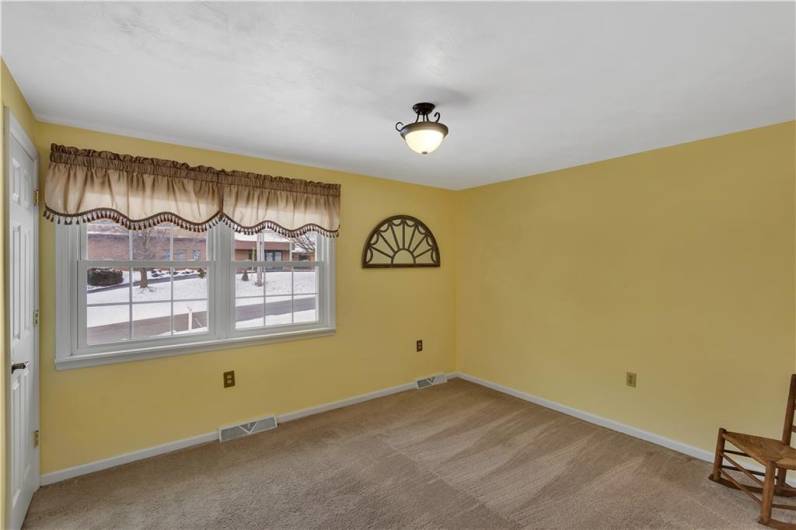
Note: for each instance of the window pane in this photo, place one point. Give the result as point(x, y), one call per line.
point(151, 320)
point(304, 247)
point(105, 324)
point(270, 246)
point(274, 246)
point(107, 240)
point(189, 246)
point(305, 309)
point(154, 285)
point(279, 281)
point(152, 243)
point(190, 317)
point(249, 313)
point(107, 286)
point(305, 279)
point(278, 310)
point(249, 281)
point(190, 284)
point(245, 247)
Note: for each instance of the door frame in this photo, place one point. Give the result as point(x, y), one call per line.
point(13, 129)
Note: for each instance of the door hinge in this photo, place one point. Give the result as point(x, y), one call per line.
point(36, 318)
point(36, 438)
point(35, 197)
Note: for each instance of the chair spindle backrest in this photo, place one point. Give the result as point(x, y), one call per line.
point(790, 428)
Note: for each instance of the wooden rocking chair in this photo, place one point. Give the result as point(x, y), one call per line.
point(776, 457)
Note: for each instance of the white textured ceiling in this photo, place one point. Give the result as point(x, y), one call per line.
point(524, 87)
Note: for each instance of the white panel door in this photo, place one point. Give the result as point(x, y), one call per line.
point(23, 252)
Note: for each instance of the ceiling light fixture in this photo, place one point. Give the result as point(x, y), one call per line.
point(423, 136)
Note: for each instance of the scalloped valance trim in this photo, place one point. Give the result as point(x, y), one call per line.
point(151, 222)
point(84, 185)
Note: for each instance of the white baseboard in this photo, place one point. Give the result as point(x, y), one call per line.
point(674, 445)
point(98, 465)
point(303, 413)
point(105, 463)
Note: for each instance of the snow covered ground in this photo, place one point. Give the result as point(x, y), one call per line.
point(190, 294)
point(277, 283)
point(310, 315)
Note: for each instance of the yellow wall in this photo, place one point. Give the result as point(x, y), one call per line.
point(11, 97)
point(677, 264)
point(93, 413)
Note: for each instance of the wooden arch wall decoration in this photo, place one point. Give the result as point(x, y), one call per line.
point(400, 241)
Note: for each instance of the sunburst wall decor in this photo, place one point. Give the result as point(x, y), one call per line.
point(400, 241)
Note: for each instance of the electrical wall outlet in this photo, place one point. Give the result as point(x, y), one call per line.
point(630, 379)
point(229, 378)
point(419, 345)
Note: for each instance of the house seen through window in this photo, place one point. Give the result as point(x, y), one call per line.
point(167, 286)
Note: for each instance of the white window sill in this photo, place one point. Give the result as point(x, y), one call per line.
point(96, 359)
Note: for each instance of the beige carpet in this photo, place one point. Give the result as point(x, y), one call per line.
point(452, 456)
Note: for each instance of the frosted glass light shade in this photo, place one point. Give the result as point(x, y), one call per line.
point(424, 137)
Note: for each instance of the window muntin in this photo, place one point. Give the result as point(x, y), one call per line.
point(274, 286)
point(193, 288)
point(143, 295)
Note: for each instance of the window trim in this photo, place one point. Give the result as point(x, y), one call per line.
point(221, 333)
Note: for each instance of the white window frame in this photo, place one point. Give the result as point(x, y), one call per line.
point(71, 350)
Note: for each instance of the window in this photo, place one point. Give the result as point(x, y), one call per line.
point(270, 291)
point(127, 294)
point(166, 290)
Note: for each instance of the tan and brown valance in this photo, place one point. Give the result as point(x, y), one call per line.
point(84, 185)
